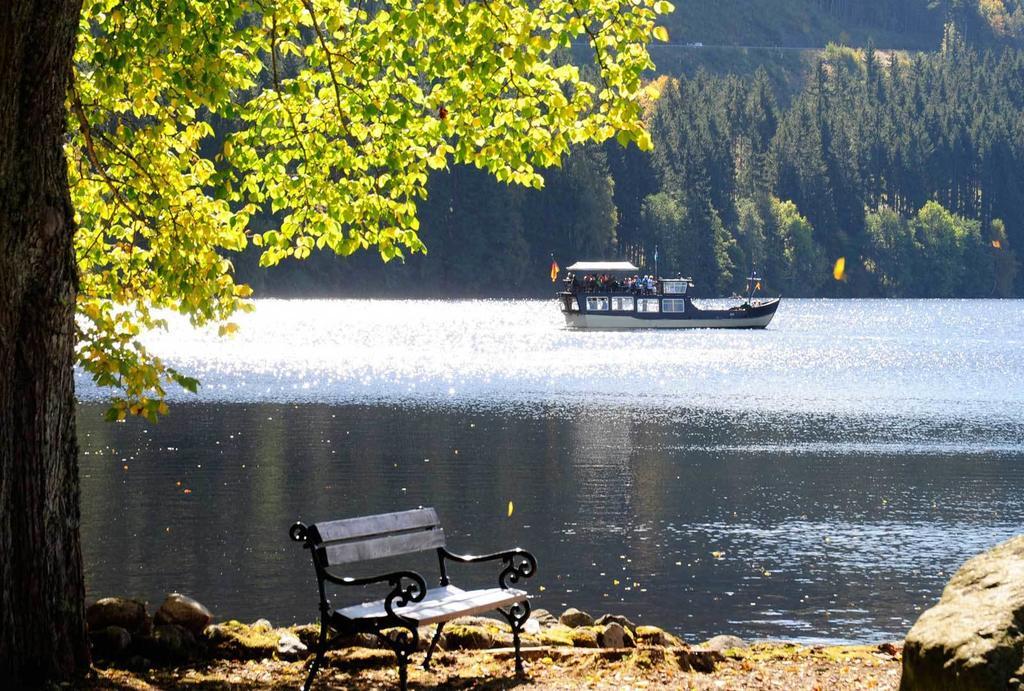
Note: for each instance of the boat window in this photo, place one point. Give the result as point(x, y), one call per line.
point(673, 305)
point(674, 288)
point(596, 303)
point(622, 304)
point(647, 305)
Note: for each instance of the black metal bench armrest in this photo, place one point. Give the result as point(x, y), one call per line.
point(518, 563)
point(400, 594)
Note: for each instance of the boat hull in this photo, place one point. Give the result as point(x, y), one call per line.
point(756, 317)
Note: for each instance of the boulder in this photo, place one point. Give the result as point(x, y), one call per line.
point(543, 617)
point(557, 635)
point(613, 635)
point(973, 639)
point(652, 635)
point(561, 635)
point(171, 643)
point(584, 637)
point(289, 647)
point(234, 640)
point(181, 610)
point(724, 642)
point(110, 642)
point(622, 621)
point(463, 637)
point(574, 618)
point(129, 615)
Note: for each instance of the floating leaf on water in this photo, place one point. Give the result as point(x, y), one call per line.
point(511, 508)
point(839, 270)
point(718, 555)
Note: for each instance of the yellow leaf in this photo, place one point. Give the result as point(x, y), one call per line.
point(839, 270)
point(661, 33)
point(997, 244)
point(718, 555)
point(510, 509)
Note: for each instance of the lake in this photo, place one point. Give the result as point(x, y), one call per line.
point(818, 480)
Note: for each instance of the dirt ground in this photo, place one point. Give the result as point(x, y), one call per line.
point(762, 666)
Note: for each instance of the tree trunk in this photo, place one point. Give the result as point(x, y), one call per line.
point(42, 591)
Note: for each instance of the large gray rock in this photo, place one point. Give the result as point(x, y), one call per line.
point(544, 618)
point(129, 615)
point(574, 618)
point(973, 639)
point(622, 621)
point(289, 647)
point(723, 642)
point(181, 610)
point(615, 635)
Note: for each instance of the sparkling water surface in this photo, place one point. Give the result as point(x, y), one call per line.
point(817, 480)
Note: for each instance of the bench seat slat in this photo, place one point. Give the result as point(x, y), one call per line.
point(363, 526)
point(379, 547)
point(441, 604)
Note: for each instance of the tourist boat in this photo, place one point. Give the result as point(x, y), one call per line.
point(662, 303)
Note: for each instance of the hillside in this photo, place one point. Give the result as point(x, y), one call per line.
point(907, 24)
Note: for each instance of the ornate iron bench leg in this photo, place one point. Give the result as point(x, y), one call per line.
point(403, 644)
point(433, 645)
point(321, 648)
point(517, 615)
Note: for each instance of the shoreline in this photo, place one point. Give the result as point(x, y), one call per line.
point(181, 648)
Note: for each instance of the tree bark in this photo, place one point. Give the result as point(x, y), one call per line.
point(42, 591)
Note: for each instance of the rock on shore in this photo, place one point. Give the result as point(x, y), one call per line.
point(973, 639)
point(121, 631)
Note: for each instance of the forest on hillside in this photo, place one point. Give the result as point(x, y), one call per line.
point(914, 24)
point(908, 167)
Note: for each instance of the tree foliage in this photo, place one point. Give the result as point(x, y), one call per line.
point(326, 117)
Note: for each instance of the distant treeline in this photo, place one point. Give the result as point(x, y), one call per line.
point(893, 23)
point(910, 169)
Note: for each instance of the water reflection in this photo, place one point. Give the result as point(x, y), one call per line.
point(764, 523)
point(848, 358)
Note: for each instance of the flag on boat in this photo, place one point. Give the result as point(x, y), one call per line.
point(554, 271)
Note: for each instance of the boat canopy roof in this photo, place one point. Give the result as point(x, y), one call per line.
point(598, 267)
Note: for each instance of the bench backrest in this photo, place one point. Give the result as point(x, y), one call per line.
point(374, 537)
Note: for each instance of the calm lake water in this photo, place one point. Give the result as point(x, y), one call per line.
point(819, 480)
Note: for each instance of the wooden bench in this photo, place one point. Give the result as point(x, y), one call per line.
point(396, 618)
